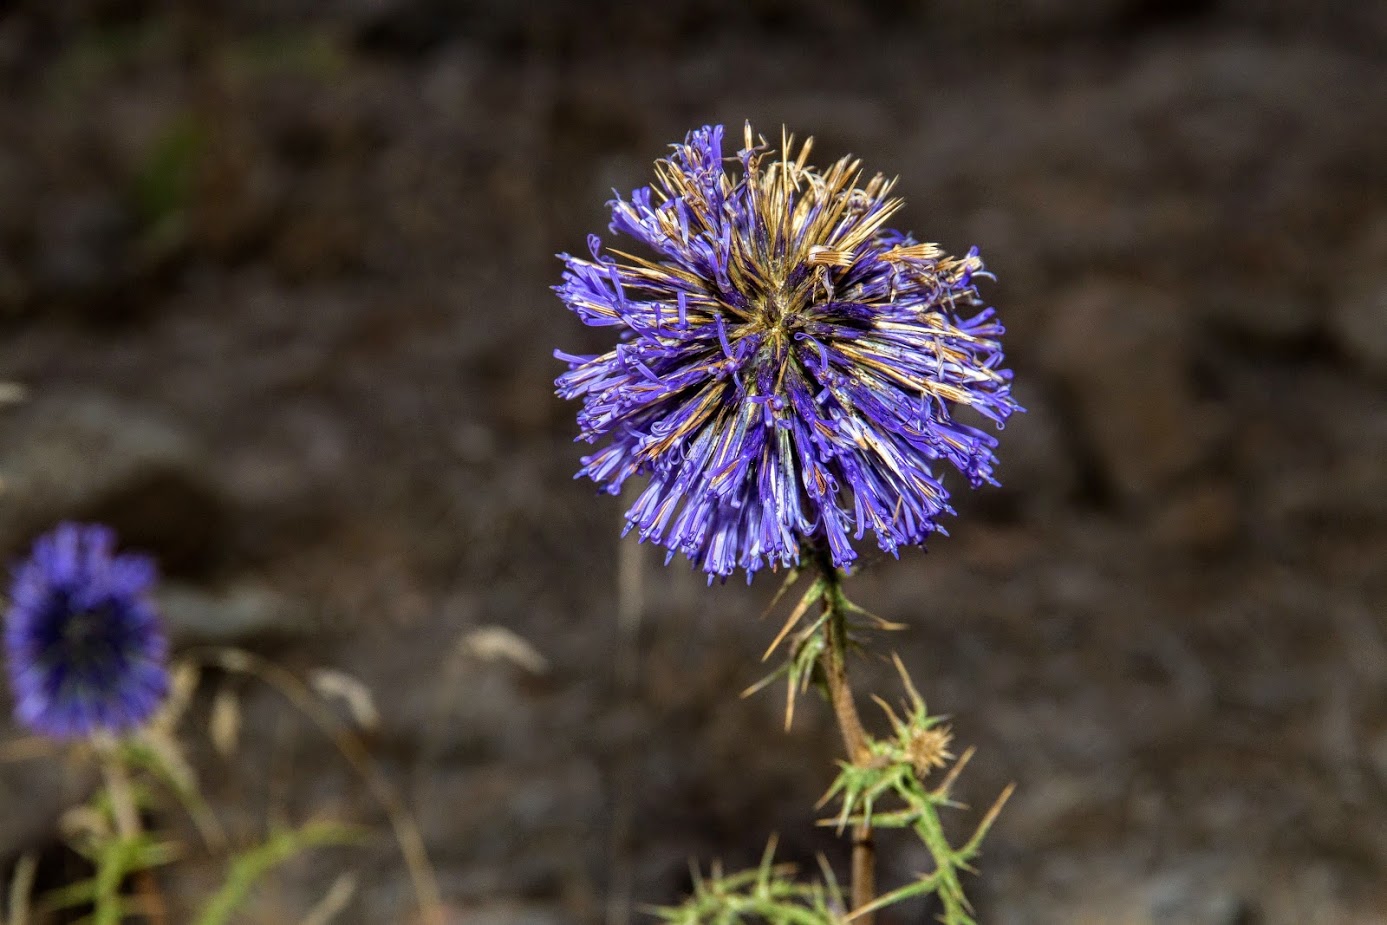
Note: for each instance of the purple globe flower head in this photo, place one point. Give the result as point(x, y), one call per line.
point(787, 369)
point(84, 646)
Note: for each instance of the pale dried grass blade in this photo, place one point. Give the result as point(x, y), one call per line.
point(183, 683)
point(338, 896)
point(810, 596)
point(22, 890)
point(225, 724)
point(498, 644)
point(338, 685)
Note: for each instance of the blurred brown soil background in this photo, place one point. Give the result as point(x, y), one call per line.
point(275, 275)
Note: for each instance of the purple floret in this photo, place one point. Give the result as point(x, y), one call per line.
point(84, 646)
point(787, 369)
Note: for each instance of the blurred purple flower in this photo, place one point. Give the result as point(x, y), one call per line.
point(787, 368)
point(84, 646)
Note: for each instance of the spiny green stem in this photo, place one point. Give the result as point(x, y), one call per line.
point(835, 670)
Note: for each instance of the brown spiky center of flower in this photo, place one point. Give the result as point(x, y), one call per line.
point(808, 233)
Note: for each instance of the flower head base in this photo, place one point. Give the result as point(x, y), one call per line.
point(83, 643)
point(787, 368)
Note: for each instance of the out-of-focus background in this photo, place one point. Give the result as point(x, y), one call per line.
point(275, 276)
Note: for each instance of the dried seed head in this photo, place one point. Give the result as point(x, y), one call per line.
point(929, 749)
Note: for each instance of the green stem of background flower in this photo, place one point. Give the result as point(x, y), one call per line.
point(119, 789)
point(111, 866)
point(834, 664)
point(121, 793)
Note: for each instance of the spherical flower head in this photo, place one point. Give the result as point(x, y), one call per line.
point(83, 643)
point(787, 369)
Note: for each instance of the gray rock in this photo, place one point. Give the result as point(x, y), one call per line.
point(13, 288)
point(1027, 17)
point(82, 245)
point(36, 787)
point(1359, 318)
point(79, 456)
point(1201, 517)
point(1377, 755)
point(1186, 898)
point(1119, 351)
point(244, 614)
point(1199, 892)
point(1346, 21)
point(1037, 465)
point(17, 192)
point(1271, 315)
point(1361, 324)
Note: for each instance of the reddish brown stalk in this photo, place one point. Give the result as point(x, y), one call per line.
point(835, 669)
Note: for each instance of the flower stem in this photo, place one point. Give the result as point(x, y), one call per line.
point(835, 670)
point(119, 790)
point(128, 829)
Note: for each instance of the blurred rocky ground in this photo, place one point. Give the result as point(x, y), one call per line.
point(275, 275)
